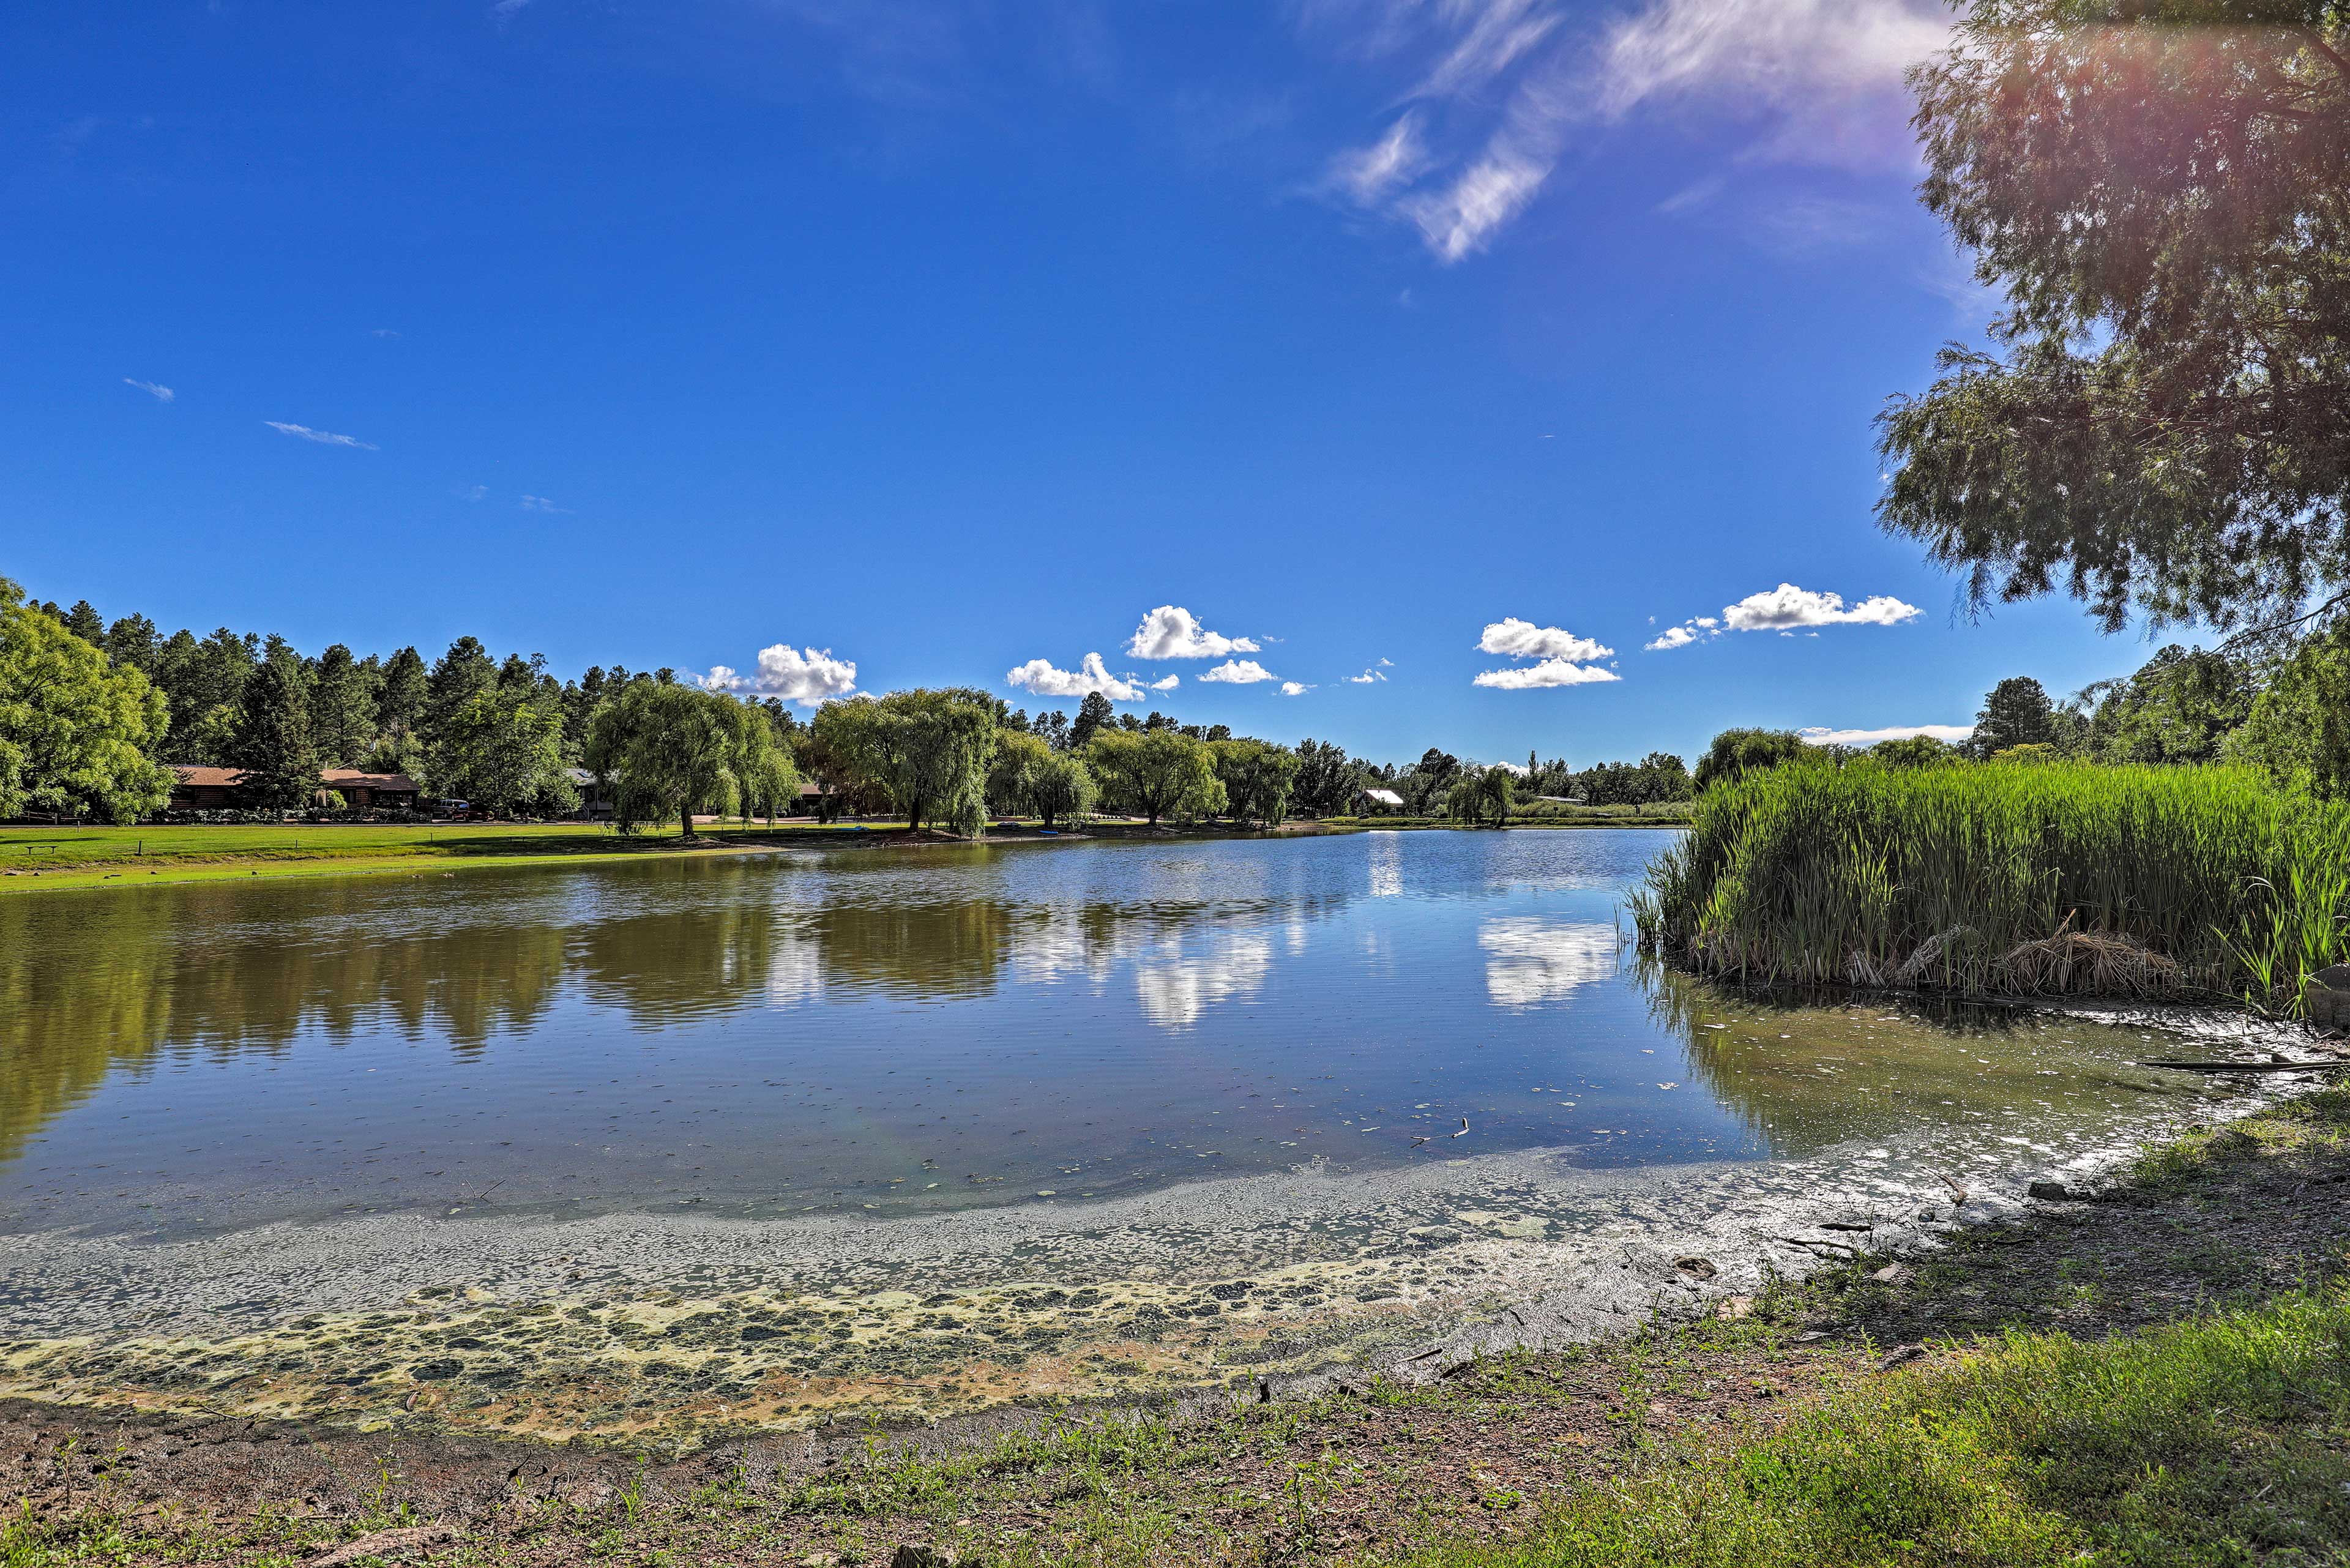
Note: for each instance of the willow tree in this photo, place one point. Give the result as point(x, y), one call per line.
point(668, 749)
point(929, 750)
point(1158, 773)
point(2158, 188)
point(1256, 776)
point(75, 732)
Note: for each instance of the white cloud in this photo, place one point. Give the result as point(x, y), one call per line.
point(541, 504)
point(1171, 631)
point(807, 677)
point(1041, 678)
point(1366, 677)
point(1167, 683)
point(474, 491)
point(1292, 689)
point(1549, 673)
point(1953, 733)
point(1788, 606)
point(1387, 663)
point(1525, 639)
point(160, 394)
point(1824, 75)
point(1503, 85)
point(1369, 175)
point(1238, 672)
point(1785, 610)
point(1462, 219)
point(324, 437)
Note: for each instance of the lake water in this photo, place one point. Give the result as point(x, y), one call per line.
point(903, 1068)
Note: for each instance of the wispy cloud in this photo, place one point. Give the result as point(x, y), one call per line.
point(1513, 82)
point(160, 394)
point(324, 438)
point(1167, 684)
point(474, 492)
point(541, 504)
point(1042, 677)
point(1822, 79)
point(1673, 637)
point(1238, 672)
point(1293, 689)
point(806, 676)
point(1171, 631)
point(1370, 675)
point(1953, 733)
point(1369, 175)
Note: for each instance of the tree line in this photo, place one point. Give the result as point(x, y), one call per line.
point(92, 712)
point(2285, 711)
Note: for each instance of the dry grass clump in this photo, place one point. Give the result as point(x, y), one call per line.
point(2057, 879)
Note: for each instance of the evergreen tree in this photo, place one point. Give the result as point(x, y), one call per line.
point(83, 622)
point(273, 743)
point(342, 708)
point(399, 701)
point(458, 675)
point(2016, 713)
point(1092, 714)
point(132, 644)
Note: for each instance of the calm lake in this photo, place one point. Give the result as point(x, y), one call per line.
point(898, 1029)
point(810, 1117)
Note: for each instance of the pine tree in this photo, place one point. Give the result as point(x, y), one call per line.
point(2016, 713)
point(273, 743)
point(342, 709)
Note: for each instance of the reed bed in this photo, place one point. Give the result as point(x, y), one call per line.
point(2006, 880)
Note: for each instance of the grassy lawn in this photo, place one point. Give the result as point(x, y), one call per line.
point(2161, 1376)
point(32, 858)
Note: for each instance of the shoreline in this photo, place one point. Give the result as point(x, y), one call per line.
point(1502, 1411)
point(478, 1325)
point(457, 848)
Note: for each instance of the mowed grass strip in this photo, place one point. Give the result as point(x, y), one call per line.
point(55, 849)
point(2221, 1441)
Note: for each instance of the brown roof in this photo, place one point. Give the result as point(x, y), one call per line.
point(336, 778)
point(194, 776)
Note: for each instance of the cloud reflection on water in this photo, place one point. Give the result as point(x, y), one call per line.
point(1530, 961)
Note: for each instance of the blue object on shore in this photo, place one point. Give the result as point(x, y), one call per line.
point(1048, 833)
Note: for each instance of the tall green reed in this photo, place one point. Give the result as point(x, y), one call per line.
point(1815, 873)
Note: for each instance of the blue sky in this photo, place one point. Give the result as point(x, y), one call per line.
point(950, 340)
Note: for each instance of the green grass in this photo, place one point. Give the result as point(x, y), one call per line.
point(46, 857)
point(1807, 874)
point(2221, 1441)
